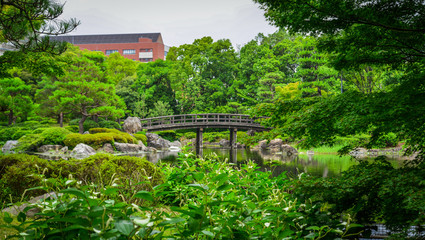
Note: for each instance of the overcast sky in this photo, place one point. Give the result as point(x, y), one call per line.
point(179, 21)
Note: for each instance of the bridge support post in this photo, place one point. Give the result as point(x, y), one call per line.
point(233, 138)
point(199, 140)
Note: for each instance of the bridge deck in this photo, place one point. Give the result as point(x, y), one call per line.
point(208, 120)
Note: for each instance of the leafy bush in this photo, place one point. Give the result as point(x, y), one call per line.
point(72, 128)
point(18, 134)
point(368, 192)
point(214, 200)
point(109, 124)
point(20, 171)
point(54, 135)
point(86, 125)
point(39, 130)
point(96, 141)
point(99, 137)
point(141, 137)
point(169, 135)
point(8, 132)
point(29, 143)
point(119, 136)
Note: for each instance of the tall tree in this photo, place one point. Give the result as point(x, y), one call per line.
point(26, 24)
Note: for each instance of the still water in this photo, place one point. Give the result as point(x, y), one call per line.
point(325, 165)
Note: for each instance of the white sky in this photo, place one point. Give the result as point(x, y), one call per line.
point(178, 21)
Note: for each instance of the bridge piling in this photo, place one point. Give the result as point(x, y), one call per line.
point(233, 137)
point(199, 139)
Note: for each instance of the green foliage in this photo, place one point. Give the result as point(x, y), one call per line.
point(169, 135)
point(72, 128)
point(98, 137)
point(19, 172)
point(141, 137)
point(210, 199)
point(7, 133)
point(95, 141)
point(368, 191)
point(29, 142)
point(54, 135)
point(19, 133)
point(109, 124)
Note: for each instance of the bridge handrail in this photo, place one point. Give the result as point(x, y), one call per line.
point(199, 118)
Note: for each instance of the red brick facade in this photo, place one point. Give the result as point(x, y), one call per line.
point(138, 47)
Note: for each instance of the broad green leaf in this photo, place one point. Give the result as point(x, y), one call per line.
point(144, 195)
point(208, 233)
point(75, 192)
point(124, 226)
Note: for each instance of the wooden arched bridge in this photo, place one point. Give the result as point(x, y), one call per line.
point(233, 122)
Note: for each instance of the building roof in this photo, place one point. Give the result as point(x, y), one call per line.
point(108, 38)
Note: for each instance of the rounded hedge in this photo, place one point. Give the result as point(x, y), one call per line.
point(54, 135)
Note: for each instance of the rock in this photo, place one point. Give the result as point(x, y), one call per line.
point(64, 149)
point(276, 144)
point(359, 152)
point(47, 148)
point(132, 125)
point(262, 144)
point(240, 145)
point(15, 210)
point(157, 142)
point(130, 148)
point(250, 133)
point(107, 148)
point(176, 144)
point(86, 132)
point(9, 146)
point(289, 150)
point(82, 151)
point(224, 143)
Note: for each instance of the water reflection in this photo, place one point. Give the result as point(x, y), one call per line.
point(324, 165)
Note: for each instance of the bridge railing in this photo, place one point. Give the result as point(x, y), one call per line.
point(191, 119)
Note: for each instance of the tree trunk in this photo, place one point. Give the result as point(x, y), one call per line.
point(61, 119)
point(10, 117)
point(81, 124)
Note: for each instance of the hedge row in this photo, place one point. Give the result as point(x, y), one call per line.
point(20, 171)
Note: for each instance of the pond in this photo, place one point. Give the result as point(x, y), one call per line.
point(325, 165)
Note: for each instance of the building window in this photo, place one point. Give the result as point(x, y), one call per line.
point(107, 52)
point(146, 59)
point(146, 50)
point(128, 51)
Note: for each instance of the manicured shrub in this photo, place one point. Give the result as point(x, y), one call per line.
point(119, 136)
point(141, 137)
point(20, 171)
point(72, 128)
point(29, 142)
point(169, 135)
point(54, 135)
point(86, 125)
point(39, 130)
point(96, 141)
point(7, 133)
point(18, 134)
point(109, 124)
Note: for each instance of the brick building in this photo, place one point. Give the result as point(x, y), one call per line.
point(144, 47)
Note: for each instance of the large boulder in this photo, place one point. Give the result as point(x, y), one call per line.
point(130, 148)
point(132, 125)
point(82, 151)
point(262, 144)
point(157, 142)
point(176, 144)
point(289, 150)
point(275, 144)
point(107, 148)
point(9, 146)
point(48, 148)
point(224, 143)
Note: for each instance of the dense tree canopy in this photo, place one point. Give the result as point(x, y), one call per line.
point(26, 24)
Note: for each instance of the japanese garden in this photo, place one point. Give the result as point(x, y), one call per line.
point(340, 77)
